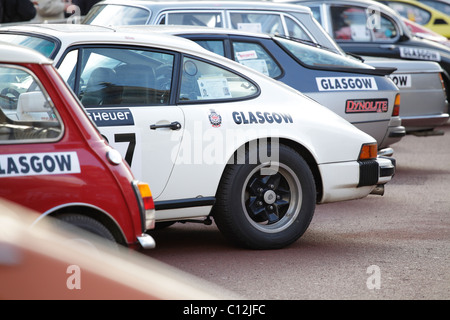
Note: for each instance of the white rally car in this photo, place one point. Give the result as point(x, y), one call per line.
point(212, 137)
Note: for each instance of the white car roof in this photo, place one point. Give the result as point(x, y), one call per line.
point(208, 5)
point(73, 33)
point(17, 54)
point(90, 34)
point(186, 29)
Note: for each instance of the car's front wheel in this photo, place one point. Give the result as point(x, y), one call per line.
point(266, 204)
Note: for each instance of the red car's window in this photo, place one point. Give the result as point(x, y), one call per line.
point(26, 112)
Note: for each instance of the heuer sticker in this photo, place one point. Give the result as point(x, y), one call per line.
point(419, 54)
point(29, 164)
point(111, 117)
point(401, 80)
point(346, 83)
point(366, 105)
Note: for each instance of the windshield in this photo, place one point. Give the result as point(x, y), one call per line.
point(110, 15)
point(314, 57)
point(44, 46)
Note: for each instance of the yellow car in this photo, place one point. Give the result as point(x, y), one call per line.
point(422, 14)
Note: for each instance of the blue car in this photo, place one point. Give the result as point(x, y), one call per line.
point(359, 93)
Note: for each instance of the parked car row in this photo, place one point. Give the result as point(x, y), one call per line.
point(255, 143)
point(210, 135)
point(290, 19)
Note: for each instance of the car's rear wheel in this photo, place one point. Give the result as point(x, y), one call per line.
point(89, 226)
point(266, 205)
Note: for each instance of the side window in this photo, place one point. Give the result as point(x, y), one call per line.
point(257, 22)
point(411, 12)
point(215, 46)
point(295, 30)
point(206, 19)
point(316, 13)
point(119, 76)
point(256, 57)
point(349, 23)
point(26, 112)
point(358, 24)
point(205, 81)
point(386, 30)
point(68, 67)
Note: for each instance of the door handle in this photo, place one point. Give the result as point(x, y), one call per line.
point(387, 46)
point(173, 126)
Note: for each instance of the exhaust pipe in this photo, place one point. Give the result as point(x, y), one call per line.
point(386, 152)
point(378, 190)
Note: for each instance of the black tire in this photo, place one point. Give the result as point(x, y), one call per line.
point(89, 225)
point(266, 211)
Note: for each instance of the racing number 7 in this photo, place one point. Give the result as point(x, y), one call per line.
point(127, 137)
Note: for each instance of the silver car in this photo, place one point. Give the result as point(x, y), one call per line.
point(423, 102)
point(424, 105)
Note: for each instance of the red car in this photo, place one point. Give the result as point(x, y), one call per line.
point(53, 159)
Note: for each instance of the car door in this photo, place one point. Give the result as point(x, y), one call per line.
point(126, 92)
point(363, 30)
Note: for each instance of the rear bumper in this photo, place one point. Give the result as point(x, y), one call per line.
point(146, 241)
point(376, 172)
point(422, 122)
point(355, 179)
point(395, 132)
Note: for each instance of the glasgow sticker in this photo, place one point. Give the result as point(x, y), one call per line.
point(346, 83)
point(401, 80)
point(31, 164)
point(419, 54)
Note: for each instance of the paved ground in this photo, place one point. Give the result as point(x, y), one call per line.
point(392, 247)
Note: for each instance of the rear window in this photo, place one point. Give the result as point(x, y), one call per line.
point(204, 19)
point(110, 15)
point(311, 56)
point(43, 45)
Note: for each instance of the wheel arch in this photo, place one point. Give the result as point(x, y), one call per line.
point(310, 160)
point(303, 151)
point(90, 211)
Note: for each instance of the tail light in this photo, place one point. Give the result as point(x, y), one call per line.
point(442, 82)
point(147, 205)
point(396, 111)
point(146, 195)
point(368, 151)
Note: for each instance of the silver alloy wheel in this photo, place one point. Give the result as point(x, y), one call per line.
point(272, 202)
